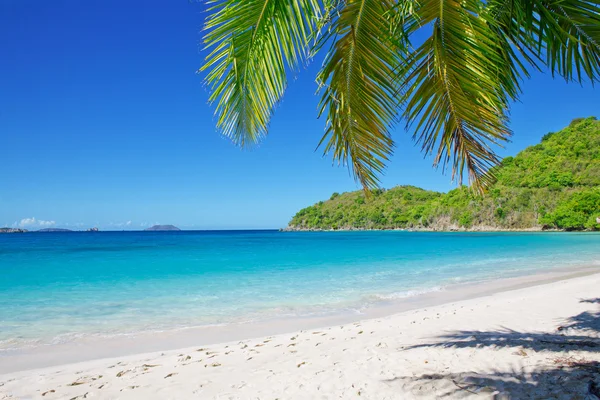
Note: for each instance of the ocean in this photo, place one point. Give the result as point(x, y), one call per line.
point(58, 287)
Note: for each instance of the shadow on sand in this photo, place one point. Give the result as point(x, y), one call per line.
point(572, 370)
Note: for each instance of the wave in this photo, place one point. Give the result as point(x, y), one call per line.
point(402, 294)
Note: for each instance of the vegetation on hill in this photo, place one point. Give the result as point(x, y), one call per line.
point(552, 185)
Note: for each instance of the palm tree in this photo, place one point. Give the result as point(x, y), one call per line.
point(454, 87)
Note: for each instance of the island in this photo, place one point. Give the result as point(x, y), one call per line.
point(54, 230)
point(13, 230)
point(553, 185)
point(94, 229)
point(162, 228)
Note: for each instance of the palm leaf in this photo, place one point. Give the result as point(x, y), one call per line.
point(568, 31)
point(454, 88)
point(358, 89)
point(458, 85)
point(563, 35)
point(252, 43)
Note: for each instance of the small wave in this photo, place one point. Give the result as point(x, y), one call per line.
point(13, 344)
point(9, 345)
point(404, 294)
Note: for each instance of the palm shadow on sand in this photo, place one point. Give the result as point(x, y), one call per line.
point(564, 376)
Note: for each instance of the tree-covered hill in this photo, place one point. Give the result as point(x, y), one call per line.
point(552, 185)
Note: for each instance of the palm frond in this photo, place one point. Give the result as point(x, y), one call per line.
point(324, 32)
point(458, 85)
point(252, 42)
point(563, 35)
point(358, 89)
point(570, 30)
point(454, 88)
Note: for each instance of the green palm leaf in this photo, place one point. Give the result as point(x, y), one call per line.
point(455, 88)
point(563, 34)
point(358, 89)
point(458, 88)
point(252, 42)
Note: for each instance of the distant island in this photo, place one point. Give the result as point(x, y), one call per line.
point(162, 228)
point(13, 230)
point(54, 230)
point(92, 230)
point(552, 185)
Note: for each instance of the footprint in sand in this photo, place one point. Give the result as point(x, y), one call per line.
point(85, 379)
point(83, 396)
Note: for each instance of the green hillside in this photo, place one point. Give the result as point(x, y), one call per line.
point(552, 185)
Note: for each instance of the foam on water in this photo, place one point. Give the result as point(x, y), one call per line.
point(404, 294)
point(60, 287)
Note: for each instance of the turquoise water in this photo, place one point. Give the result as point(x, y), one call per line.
point(56, 287)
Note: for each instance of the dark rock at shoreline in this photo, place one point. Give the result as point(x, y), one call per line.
point(163, 228)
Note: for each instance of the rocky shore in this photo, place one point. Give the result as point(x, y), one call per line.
point(445, 228)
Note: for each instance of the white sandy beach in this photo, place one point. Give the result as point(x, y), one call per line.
point(536, 342)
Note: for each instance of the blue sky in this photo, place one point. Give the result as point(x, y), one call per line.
point(104, 122)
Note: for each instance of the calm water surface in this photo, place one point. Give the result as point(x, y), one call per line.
point(55, 287)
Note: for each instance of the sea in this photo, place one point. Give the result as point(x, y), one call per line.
point(58, 287)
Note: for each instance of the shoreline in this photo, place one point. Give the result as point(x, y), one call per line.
point(528, 341)
point(449, 229)
point(93, 348)
point(522, 340)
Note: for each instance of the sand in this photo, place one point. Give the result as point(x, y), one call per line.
point(536, 342)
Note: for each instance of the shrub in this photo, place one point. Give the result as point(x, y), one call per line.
point(578, 212)
point(576, 121)
point(547, 136)
point(466, 220)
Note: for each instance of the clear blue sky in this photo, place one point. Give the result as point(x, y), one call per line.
point(104, 122)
